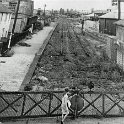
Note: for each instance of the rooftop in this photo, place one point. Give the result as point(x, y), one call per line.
point(120, 22)
point(112, 15)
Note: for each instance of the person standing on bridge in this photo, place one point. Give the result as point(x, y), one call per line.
point(65, 104)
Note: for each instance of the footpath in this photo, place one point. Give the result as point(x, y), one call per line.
point(13, 69)
point(68, 121)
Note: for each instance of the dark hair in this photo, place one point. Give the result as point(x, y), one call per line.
point(27, 88)
point(66, 90)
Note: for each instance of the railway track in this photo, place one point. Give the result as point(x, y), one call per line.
point(69, 59)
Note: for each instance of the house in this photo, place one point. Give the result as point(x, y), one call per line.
point(5, 19)
point(106, 22)
point(25, 11)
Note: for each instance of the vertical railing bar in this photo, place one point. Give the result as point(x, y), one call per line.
point(23, 105)
point(103, 104)
point(76, 106)
point(50, 95)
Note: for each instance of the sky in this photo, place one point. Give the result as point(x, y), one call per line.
point(72, 4)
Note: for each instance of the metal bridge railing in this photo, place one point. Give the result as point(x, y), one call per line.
point(15, 105)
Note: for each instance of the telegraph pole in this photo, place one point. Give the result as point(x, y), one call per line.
point(44, 13)
point(16, 15)
point(119, 10)
point(15, 19)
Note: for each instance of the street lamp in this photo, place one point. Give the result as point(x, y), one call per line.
point(44, 13)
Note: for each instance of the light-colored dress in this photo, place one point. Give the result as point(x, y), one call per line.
point(65, 104)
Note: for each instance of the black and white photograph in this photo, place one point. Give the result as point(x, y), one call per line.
point(61, 61)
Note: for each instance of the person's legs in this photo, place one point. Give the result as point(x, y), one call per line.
point(64, 117)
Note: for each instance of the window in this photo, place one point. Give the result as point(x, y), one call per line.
point(6, 17)
point(1, 16)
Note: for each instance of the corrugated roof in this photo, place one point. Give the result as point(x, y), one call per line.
point(112, 15)
point(4, 9)
point(120, 22)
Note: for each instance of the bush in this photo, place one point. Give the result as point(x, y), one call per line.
point(38, 25)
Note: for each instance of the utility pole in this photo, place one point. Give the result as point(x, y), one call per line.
point(119, 10)
point(16, 15)
point(44, 13)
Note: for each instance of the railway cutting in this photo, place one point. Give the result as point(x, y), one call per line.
point(71, 59)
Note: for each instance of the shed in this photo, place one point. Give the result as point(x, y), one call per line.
point(106, 22)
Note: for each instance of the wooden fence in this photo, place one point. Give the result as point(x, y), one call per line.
point(15, 105)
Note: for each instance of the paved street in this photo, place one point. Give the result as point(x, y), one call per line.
point(13, 69)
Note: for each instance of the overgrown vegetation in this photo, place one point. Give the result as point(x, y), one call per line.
point(71, 60)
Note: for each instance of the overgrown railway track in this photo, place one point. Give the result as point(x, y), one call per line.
point(69, 59)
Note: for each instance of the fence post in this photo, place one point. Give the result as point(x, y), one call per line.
point(76, 110)
point(76, 104)
point(103, 104)
point(50, 95)
point(23, 105)
point(57, 118)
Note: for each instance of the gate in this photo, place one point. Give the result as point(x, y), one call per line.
point(15, 105)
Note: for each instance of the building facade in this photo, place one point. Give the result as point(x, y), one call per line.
point(120, 30)
point(26, 6)
point(25, 11)
point(5, 19)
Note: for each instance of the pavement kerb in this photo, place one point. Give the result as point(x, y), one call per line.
point(35, 60)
